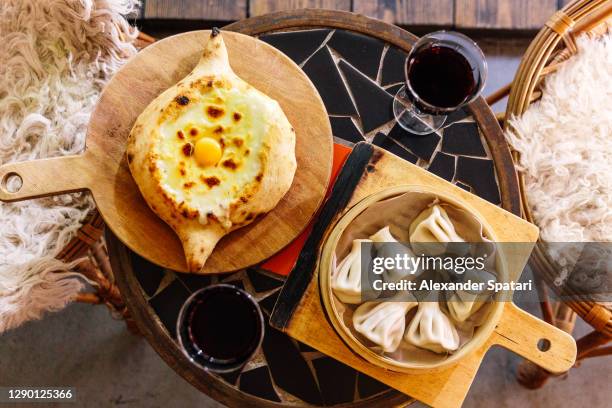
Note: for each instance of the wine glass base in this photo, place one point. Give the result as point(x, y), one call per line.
point(409, 118)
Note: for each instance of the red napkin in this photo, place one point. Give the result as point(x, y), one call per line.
point(283, 261)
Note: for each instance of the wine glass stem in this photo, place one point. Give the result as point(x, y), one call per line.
point(411, 118)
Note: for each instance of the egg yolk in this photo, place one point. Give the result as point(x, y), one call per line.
point(207, 151)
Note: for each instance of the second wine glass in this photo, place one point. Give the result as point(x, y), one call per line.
point(444, 71)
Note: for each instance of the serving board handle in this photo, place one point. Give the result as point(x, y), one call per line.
point(45, 177)
point(545, 345)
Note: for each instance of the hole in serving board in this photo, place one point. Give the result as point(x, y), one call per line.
point(543, 345)
point(11, 182)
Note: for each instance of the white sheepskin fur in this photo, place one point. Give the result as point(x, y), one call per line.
point(565, 143)
point(55, 57)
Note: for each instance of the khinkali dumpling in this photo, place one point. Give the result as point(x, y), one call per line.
point(388, 247)
point(383, 235)
point(346, 281)
point(432, 329)
point(431, 230)
point(462, 303)
point(382, 323)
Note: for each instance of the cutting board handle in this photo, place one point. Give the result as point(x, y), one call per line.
point(45, 177)
point(545, 345)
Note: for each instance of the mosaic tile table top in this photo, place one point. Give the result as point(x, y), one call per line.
point(357, 76)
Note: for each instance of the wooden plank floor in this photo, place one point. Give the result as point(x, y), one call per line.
point(217, 10)
point(259, 7)
point(467, 14)
point(506, 14)
point(408, 12)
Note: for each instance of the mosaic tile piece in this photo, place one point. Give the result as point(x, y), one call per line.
point(322, 71)
point(374, 104)
point(231, 377)
point(367, 386)
point(257, 382)
point(289, 369)
point(381, 140)
point(392, 90)
point(148, 274)
point(344, 128)
point(421, 145)
point(193, 281)
point(459, 114)
point(393, 69)
point(359, 50)
point(297, 45)
point(464, 139)
point(262, 282)
point(337, 381)
point(167, 304)
point(480, 175)
point(267, 304)
point(443, 165)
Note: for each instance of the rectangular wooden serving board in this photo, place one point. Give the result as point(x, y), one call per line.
point(300, 313)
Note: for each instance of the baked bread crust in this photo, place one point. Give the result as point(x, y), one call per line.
point(198, 226)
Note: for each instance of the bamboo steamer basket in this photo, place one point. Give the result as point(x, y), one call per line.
point(329, 301)
point(553, 45)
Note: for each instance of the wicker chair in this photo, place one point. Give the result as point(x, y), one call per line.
point(553, 45)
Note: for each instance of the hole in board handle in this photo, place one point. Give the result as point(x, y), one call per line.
point(543, 345)
point(11, 183)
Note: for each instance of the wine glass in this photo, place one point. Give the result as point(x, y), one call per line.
point(220, 328)
point(445, 70)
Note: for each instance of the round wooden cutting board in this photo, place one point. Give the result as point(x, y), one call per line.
point(103, 170)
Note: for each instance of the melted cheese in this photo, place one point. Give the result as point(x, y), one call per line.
point(237, 120)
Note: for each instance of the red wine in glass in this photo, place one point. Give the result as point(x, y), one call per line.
point(220, 327)
point(444, 71)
